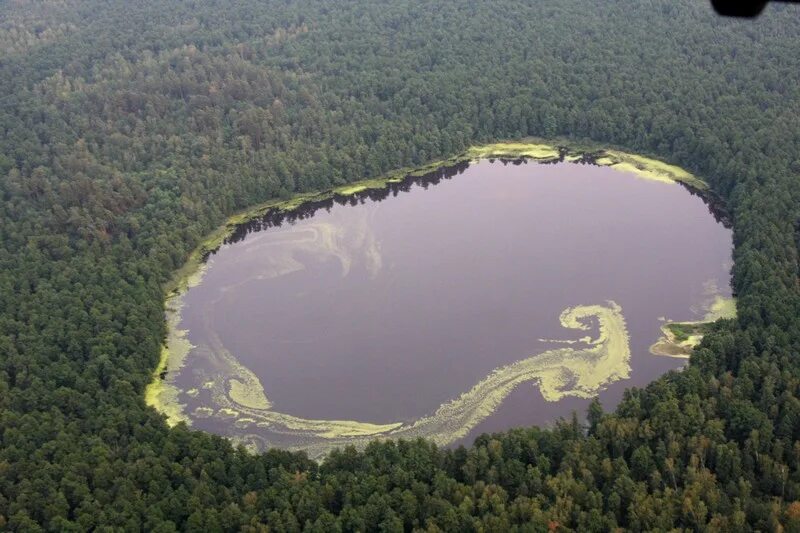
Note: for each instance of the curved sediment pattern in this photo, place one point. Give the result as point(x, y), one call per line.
point(238, 396)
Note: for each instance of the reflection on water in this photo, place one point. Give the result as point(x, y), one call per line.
point(276, 218)
point(509, 295)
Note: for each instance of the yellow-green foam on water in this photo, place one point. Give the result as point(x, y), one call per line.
point(161, 393)
point(347, 190)
point(578, 372)
point(720, 307)
point(514, 149)
point(247, 396)
point(203, 411)
point(647, 168)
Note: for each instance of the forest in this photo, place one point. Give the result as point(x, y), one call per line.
point(130, 130)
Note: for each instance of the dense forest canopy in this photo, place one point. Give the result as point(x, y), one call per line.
point(132, 129)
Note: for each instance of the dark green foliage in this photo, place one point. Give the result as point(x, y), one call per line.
point(131, 129)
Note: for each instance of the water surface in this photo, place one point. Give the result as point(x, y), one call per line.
point(383, 311)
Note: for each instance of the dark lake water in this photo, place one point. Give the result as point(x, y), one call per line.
point(381, 312)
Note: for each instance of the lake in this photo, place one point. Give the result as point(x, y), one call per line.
point(485, 296)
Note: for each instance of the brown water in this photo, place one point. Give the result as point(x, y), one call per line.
point(381, 312)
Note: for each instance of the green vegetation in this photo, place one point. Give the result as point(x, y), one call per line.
point(679, 339)
point(684, 331)
point(132, 129)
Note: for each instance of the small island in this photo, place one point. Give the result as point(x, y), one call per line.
point(679, 339)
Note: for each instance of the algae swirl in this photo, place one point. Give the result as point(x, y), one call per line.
point(574, 371)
